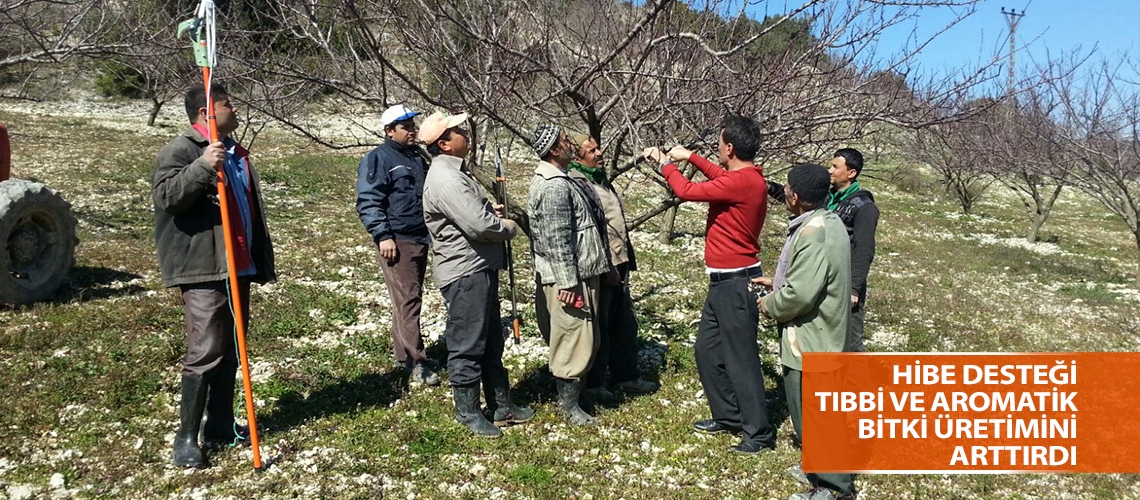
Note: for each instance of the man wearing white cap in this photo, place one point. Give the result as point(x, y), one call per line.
point(389, 199)
point(467, 253)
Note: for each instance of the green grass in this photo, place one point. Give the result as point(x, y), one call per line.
point(91, 377)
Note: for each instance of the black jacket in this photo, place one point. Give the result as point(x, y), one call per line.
point(861, 217)
point(390, 193)
point(188, 223)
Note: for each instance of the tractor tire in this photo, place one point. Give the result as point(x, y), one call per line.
point(37, 242)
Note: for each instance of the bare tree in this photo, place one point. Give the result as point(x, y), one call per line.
point(45, 31)
point(632, 75)
point(1028, 158)
point(959, 152)
point(1099, 130)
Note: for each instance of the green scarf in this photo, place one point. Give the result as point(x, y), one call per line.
point(838, 196)
point(597, 175)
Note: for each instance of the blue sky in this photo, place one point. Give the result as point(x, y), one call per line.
point(1048, 28)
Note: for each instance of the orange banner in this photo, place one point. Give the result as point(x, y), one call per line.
point(971, 413)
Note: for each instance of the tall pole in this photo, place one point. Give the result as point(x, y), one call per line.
point(1012, 17)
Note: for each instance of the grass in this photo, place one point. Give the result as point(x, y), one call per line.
point(92, 376)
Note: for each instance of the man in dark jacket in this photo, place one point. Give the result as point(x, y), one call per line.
point(389, 199)
point(191, 253)
point(856, 207)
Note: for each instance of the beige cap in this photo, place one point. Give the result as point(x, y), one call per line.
point(435, 125)
point(579, 139)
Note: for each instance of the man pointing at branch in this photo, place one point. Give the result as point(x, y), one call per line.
point(188, 235)
point(728, 359)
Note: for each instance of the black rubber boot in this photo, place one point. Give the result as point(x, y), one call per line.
point(467, 411)
point(500, 409)
point(187, 453)
point(569, 394)
point(219, 427)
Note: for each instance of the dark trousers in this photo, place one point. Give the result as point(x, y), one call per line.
point(210, 342)
point(842, 484)
point(618, 325)
point(855, 329)
point(474, 331)
point(728, 360)
point(404, 278)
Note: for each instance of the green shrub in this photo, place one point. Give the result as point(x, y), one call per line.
point(115, 78)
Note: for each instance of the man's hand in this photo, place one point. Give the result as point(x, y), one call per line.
point(854, 300)
point(388, 249)
point(215, 155)
point(654, 155)
point(760, 303)
point(512, 226)
point(763, 280)
point(499, 210)
point(680, 153)
point(567, 297)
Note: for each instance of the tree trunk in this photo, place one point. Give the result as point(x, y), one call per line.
point(154, 109)
point(1044, 208)
point(666, 234)
point(1136, 234)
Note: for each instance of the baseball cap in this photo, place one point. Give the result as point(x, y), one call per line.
point(395, 114)
point(436, 124)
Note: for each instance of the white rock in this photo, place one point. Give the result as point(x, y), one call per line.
point(57, 481)
point(20, 492)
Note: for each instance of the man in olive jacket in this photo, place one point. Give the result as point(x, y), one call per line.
point(811, 301)
point(192, 254)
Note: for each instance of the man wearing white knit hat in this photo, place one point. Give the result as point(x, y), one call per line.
point(568, 243)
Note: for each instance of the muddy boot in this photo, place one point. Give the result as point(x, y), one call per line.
point(187, 453)
point(467, 411)
point(569, 394)
point(500, 409)
point(219, 427)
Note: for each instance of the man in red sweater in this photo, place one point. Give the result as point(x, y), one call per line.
point(728, 359)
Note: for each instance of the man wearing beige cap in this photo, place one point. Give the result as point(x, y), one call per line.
point(569, 256)
point(616, 318)
point(389, 200)
point(468, 251)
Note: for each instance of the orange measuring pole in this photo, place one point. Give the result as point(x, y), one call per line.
point(235, 289)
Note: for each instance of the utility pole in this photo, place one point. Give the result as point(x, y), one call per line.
point(1012, 17)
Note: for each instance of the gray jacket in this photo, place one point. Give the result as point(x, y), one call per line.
point(188, 223)
point(567, 236)
point(467, 236)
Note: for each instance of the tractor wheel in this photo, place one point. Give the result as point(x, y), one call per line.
point(37, 241)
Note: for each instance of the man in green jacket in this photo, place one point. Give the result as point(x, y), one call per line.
point(811, 300)
point(189, 239)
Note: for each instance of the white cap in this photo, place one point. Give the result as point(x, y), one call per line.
point(395, 114)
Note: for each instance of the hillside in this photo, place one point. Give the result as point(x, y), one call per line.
point(89, 408)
